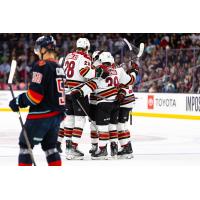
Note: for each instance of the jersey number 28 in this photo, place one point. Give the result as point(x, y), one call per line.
point(69, 70)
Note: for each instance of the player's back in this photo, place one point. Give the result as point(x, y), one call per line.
point(76, 67)
point(47, 87)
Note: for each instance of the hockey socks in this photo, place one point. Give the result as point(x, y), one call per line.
point(94, 137)
point(53, 157)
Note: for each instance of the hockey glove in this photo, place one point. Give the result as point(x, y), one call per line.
point(76, 94)
point(18, 102)
point(135, 68)
point(120, 96)
point(101, 73)
point(14, 105)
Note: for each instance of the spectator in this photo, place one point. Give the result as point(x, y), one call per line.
point(165, 54)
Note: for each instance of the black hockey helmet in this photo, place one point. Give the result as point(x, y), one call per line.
point(48, 42)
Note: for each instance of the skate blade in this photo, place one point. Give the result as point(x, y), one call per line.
point(127, 156)
point(71, 157)
point(115, 157)
point(100, 158)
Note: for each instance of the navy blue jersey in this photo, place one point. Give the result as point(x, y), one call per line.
point(45, 95)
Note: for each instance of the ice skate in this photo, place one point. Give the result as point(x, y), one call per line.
point(68, 148)
point(75, 154)
point(100, 154)
point(94, 148)
point(114, 149)
point(125, 152)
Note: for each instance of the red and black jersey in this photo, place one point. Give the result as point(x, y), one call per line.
point(45, 95)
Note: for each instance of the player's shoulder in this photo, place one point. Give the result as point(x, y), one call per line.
point(120, 70)
point(84, 55)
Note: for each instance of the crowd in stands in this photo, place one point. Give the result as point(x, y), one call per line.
point(170, 62)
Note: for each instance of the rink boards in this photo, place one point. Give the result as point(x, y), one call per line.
point(161, 105)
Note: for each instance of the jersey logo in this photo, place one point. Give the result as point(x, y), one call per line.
point(37, 77)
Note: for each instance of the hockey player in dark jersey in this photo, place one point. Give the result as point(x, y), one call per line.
point(46, 104)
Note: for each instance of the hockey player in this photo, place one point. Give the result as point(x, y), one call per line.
point(127, 99)
point(93, 101)
point(46, 101)
point(107, 108)
point(78, 70)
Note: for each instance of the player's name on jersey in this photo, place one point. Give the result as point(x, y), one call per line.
point(60, 71)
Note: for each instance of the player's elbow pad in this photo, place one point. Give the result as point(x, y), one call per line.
point(23, 101)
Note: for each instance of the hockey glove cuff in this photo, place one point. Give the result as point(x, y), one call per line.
point(14, 105)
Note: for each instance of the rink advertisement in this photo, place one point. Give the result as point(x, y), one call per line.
point(167, 105)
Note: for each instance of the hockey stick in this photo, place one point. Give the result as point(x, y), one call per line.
point(10, 81)
point(140, 50)
point(67, 90)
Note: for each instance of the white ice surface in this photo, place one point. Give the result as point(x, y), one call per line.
point(155, 141)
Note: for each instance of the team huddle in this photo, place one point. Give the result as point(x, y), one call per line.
point(102, 91)
point(61, 95)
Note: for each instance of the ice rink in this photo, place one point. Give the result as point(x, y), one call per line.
point(155, 140)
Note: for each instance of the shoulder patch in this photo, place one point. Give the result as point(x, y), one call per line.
point(41, 63)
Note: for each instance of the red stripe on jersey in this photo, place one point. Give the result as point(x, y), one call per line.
point(109, 92)
point(84, 71)
point(72, 83)
point(92, 85)
point(35, 96)
point(24, 164)
point(41, 116)
point(55, 163)
point(132, 81)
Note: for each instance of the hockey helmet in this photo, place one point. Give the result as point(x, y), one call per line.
point(106, 57)
point(83, 43)
point(48, 42)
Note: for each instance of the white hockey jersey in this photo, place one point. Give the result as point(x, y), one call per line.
point(129, 98)
point(108, 88)
point(78, 69)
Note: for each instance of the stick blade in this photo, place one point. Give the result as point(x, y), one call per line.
point(141, 50)
point(128, 43)
point(61, 60)
point(12, 71)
